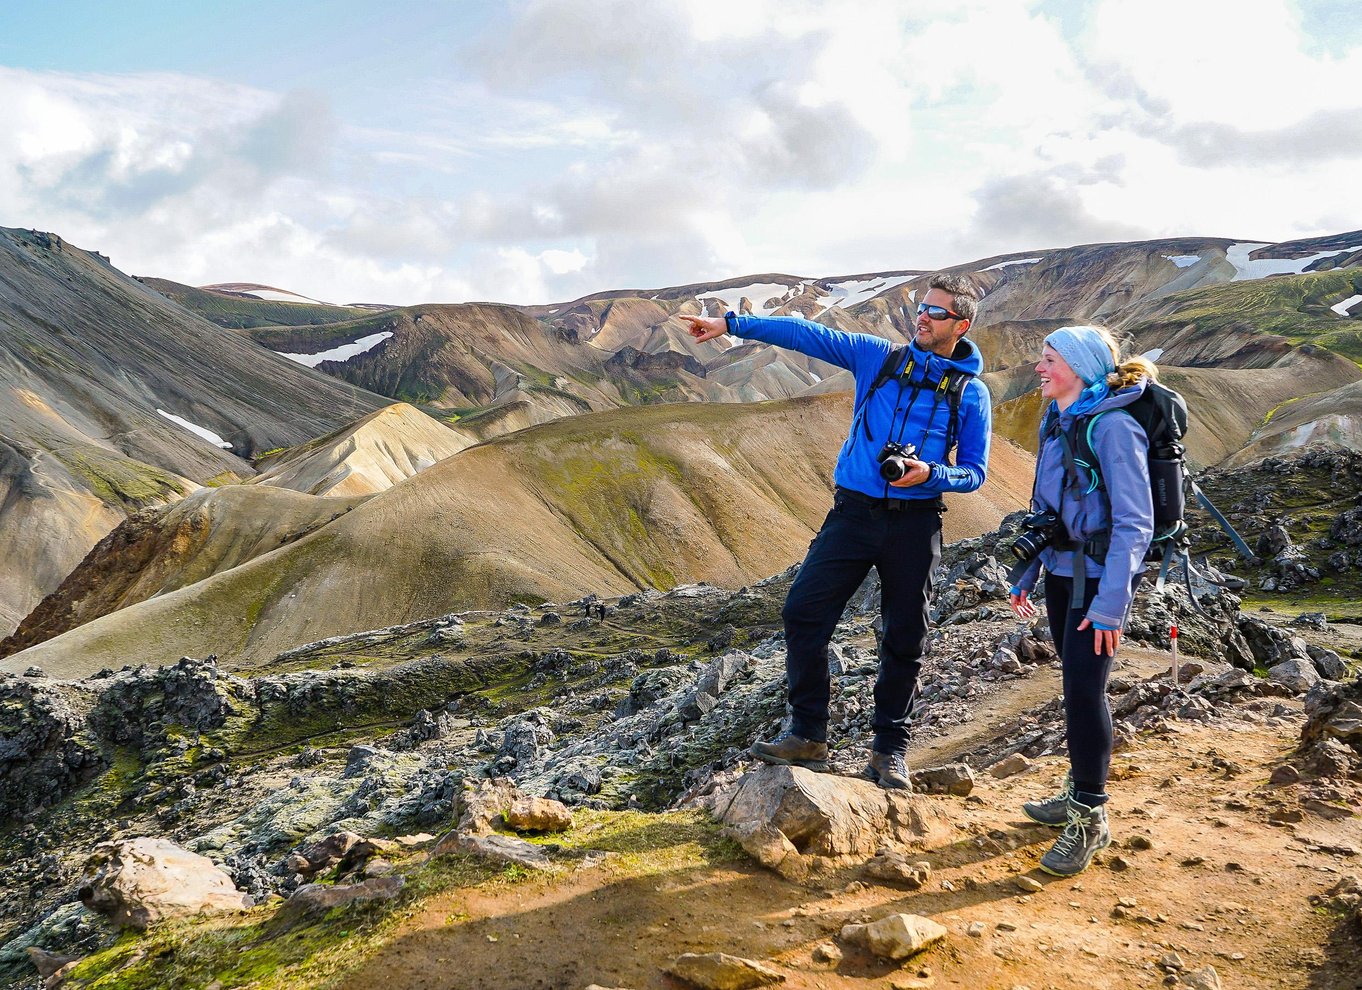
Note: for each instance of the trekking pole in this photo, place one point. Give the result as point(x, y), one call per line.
point(1173, 637)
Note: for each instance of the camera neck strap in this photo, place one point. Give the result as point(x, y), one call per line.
point(950, 386)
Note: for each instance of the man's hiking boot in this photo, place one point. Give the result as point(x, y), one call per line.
point(889, 771)
point(1083, 838)
point(1052, 811)
point(790, 750)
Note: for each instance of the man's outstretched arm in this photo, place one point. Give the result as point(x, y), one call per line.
point(837, 347)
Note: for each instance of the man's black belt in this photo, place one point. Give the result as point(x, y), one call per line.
point(935, 504)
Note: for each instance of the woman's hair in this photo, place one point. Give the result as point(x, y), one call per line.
point(1127, 371)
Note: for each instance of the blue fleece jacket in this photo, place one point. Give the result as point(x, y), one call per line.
point(1122, 456)
point(892, 412)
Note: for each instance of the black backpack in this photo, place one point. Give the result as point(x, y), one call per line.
point(950, 385)
point(1162, 414)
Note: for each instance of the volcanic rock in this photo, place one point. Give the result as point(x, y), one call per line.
point(720, 971)
point(896, 937)
point(829, 816)
point(137, 882)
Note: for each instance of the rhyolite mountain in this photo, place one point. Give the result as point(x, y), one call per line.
point(1259, 323)
point(93, 365)
point(1245, 330)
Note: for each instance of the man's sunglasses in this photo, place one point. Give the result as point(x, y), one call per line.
point(937, 312)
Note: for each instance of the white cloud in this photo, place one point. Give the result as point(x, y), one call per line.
point(578, 145)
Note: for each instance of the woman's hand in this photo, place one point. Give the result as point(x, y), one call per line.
point(1104, 641)
point(1021, 604)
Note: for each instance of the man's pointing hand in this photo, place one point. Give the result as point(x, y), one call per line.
point(704, 328)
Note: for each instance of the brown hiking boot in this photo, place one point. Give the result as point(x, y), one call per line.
point(790, 750)
point(889, 771)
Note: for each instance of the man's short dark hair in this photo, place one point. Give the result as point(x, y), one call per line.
point(964, 293)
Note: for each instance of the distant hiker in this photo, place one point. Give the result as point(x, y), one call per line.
point(886, 513)
point(1102, 515)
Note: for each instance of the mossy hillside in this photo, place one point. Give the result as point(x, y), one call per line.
point(121, 481)
point(239, 312)
point(267, 948)
point(1019, 419)
point(607, 494)
point(1296, 307)
point(357, 704)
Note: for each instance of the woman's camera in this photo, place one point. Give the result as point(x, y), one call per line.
point(892, 458)
point(1039, 530)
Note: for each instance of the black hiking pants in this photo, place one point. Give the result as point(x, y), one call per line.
point(903, 544)
point(1087, 716)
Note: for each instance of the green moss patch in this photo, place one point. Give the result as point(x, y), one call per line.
point(121, 480)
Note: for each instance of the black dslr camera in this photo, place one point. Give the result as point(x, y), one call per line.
point(892, 457)
point(1039, 530)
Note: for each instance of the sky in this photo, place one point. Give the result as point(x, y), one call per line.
point(535, 151)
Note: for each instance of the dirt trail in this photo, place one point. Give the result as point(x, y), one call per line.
point(1219, 885)
point(1042, 684)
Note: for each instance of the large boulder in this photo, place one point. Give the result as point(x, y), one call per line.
point(137, 882)
point(537, 814)
point(1206, 627)
point(316, 897)
point(1331, 739)
point(825, 815)
point(499, 848)
point(1270, 645)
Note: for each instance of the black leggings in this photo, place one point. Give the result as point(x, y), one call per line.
point(1086, 712)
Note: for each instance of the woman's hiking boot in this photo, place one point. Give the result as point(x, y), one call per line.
point(889, 771)
point(1052, 811)
point(790, 750)
point(1083, 838)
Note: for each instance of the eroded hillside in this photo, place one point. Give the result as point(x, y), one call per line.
point(113, 398)
point(610, 503)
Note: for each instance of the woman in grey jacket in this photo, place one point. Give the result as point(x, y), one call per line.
point(1093, 558)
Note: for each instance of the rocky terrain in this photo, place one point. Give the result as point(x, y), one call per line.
point(325, 778)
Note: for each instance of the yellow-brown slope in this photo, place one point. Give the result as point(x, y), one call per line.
point(606, 503)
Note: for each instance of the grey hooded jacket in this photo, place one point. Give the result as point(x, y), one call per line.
point(1122, 455)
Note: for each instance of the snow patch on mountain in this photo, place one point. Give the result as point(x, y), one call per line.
point(1342, 308)
point(194, 428)
point(853, 291)
point(342, 353)
point(757, 294)
point(1014, 261)
point(1246, 268)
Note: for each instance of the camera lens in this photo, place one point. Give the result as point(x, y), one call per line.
point(893, 468)
point(1026, 546)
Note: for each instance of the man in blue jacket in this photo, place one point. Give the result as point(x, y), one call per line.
point(931, 400)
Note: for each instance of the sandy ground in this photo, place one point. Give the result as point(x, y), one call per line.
point(1219, 886)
